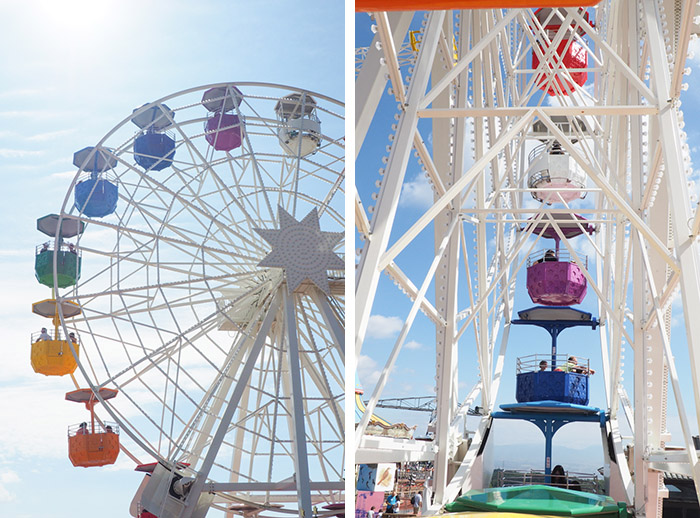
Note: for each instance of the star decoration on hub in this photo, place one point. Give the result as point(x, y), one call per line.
point(302, 250)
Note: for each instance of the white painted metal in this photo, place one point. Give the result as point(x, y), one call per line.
point(180, 316)
point(472, 82)
point(368, 276)
point(300, 453)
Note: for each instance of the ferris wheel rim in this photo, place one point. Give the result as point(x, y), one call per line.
point(335, 213)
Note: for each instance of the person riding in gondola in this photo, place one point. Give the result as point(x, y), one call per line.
point(572, 365)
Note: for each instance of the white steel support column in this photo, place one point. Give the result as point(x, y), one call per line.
point(238, 443)
point(203, 470)
point(448, 157)
point(383, 220)
point(301, 462)
point(478, 75)
point(686, 246)
point(641, 502)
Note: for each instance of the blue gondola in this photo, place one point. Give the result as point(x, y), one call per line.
point(153, 148)
point(154, 151)
point(565, 387)
point(95, 194)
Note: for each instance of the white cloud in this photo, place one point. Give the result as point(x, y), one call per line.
point(36, 114)
point(68, 175)
point(40, 433)
point(14, 253)
point(413, 344)
point(26, 92)
point(367, 370)
point(365, 362)
point(123, 463)
point(18, 153)
point(5, 495)
point(383, 327)
point(7, 477)
point(50, 135)
point(417, 193)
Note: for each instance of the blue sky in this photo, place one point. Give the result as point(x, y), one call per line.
point(69, 72)
point(414, 371)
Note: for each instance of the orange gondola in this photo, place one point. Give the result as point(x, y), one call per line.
point(94, 444)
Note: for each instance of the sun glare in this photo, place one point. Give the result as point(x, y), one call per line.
point(70, 24)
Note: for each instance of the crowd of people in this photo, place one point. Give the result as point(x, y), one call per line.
point(392, 505)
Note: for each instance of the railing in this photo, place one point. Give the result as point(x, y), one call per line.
point(48, 246)
point(541, 363)
point(588, 482)
point(52, 335)
point(552, 148)
point(572, 175)
point(286, 120)
point(575, 177)
point(167, 133)
point(536, 152)
point(86, 428)
point(103, 175)
point(554, 256)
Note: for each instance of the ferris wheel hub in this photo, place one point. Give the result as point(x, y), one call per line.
point(302, 250)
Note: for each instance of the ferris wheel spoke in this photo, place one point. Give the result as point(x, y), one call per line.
point(256, 168)
point(222, 385)
point(190, 283)
point(171, 346)
point(331, 320)
point(196, 211)
point(185, 244)
point(331, 193)
point(260, 431)
point(241, 196)
point(206, 168)
point(206, 465)
point(153, 362)
point(258, 178)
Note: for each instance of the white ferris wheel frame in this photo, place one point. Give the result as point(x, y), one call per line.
point(632, 113)
point(315, 313)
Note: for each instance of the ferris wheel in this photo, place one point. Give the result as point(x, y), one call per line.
point(530, 125)
point(208, 275)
